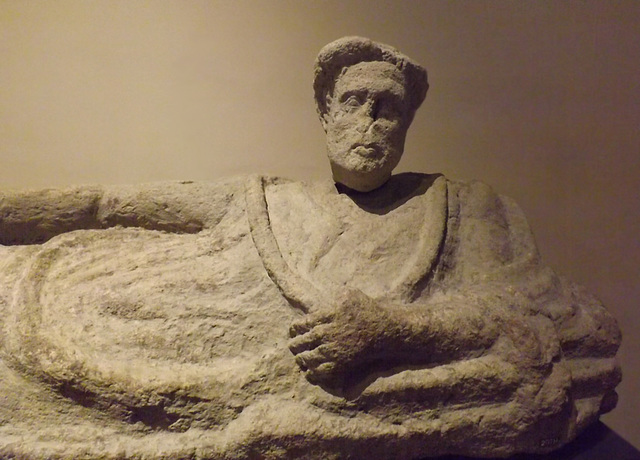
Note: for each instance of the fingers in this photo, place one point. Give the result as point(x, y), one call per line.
point(327, 368)
point(325, 374)
point(309, 322)
point(312, 345)
point(306, 342)
point(311, 360)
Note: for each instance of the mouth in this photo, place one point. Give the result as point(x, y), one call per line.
point(366, 150)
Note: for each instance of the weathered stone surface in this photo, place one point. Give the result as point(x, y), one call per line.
point(265, 318)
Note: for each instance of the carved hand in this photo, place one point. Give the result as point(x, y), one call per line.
point(331, 345)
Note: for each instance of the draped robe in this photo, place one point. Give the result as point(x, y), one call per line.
point(168, 313)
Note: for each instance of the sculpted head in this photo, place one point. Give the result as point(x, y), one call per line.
point(366, 95)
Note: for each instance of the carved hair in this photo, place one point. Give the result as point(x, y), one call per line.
point(348, 51)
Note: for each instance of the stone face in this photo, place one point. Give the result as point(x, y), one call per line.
point(265, 318)
point(366, 96)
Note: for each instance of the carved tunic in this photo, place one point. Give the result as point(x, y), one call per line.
point(175, 317)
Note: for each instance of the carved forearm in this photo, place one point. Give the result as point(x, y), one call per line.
point(36, 216)
point(441, 331)
point(31, 217)
point(162, 206)
point(362, 334)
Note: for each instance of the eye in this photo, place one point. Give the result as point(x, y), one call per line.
point(389, 108)
point(351, 103)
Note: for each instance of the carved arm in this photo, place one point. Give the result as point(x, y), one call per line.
point(32, 217)
point(362, 334)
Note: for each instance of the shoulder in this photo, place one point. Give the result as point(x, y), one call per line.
point(476, 199)
point(490, 228)
point(479, 201)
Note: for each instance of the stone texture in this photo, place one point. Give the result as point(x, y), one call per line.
point(387, 318)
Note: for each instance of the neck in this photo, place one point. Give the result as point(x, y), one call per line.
point(392, 194)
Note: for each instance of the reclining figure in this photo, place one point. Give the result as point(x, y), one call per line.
point(373, 316)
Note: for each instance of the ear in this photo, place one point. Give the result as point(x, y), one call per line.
point(325, 118)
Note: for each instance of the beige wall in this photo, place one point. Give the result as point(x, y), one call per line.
point(539, 99)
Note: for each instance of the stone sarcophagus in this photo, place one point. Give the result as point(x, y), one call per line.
point(371, 316)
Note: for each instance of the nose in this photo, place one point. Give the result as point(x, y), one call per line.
point(367, 116)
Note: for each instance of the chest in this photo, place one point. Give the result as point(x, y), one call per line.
point(329, 239)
